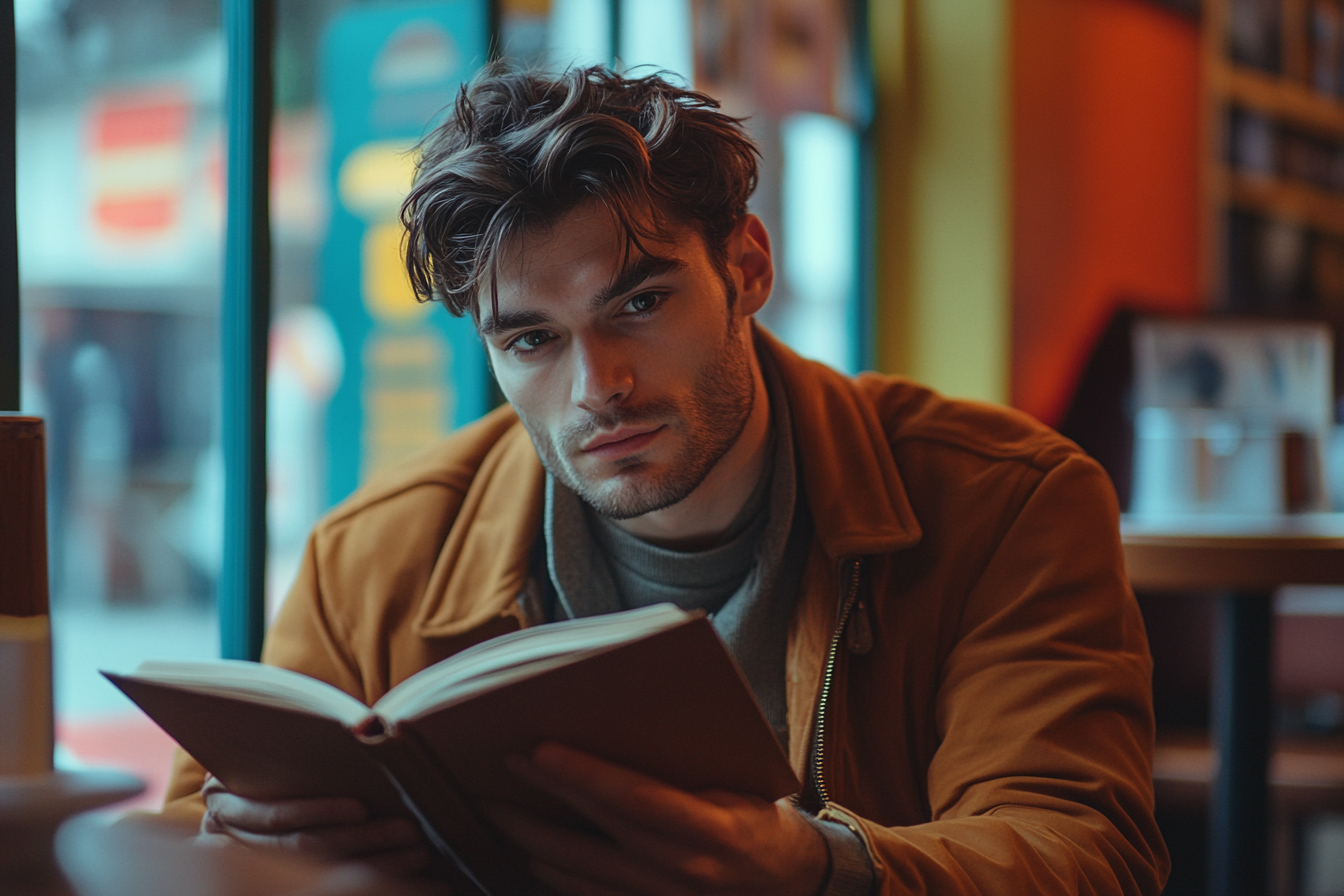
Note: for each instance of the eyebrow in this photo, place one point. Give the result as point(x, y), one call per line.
point(512, 320)
point(635, 272)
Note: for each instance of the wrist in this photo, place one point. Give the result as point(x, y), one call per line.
point(811, 865)
point(850, 866)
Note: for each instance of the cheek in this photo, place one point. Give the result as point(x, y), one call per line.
point(683, 359)
point(534, 392)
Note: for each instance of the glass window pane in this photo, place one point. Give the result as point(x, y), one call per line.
point(362, 376)
point(787, 69)
point(656, 36)
point(819, 219)
point(579, 33)
point(119, 209)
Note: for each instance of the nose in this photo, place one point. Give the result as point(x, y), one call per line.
point(603, 376)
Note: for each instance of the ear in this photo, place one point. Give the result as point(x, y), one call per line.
point(750, 264)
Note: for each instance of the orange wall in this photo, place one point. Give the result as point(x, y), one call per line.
point(1105, 150)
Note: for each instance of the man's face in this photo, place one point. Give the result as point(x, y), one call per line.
point(630, 372)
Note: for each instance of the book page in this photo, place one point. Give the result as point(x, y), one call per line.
point(522, 654)
point(257, 683)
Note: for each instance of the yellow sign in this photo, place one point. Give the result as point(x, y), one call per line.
point(386, 289)
point(375, 178)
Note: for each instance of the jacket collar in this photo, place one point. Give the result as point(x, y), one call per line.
point(483, 565)
point(853, 491)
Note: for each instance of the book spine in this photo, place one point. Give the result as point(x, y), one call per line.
point(480, 865)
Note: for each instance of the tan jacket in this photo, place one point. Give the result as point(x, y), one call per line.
point(989, 724)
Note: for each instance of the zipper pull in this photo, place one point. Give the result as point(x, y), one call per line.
point(859, 635)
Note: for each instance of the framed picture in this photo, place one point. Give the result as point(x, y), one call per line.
point(1276, 371)
point(1232, 416)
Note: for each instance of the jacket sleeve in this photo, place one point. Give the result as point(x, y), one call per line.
point(1041, 781)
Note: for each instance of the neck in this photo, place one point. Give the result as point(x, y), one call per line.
point(702, 519)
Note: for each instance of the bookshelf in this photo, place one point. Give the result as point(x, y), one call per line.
point(1284, 199)
point(1274, 156)
point(1271, 207)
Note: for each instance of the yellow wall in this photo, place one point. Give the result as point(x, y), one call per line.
point(941, 140)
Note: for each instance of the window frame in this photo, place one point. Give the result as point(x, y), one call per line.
point(10, 367)
point(245, 319)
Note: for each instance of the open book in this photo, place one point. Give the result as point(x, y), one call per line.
point(653, 689)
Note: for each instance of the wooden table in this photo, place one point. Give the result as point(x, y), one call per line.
point(32, 807)
point(1245, 558)
point(146, 858)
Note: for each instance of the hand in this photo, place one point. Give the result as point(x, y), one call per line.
point(662, 840)
point(327, 828)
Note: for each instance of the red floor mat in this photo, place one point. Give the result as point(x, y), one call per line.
point(128, 742)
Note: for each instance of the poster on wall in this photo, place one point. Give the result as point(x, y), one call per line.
point(413, 372)
point(774, 56)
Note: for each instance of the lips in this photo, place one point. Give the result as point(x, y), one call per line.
point(621, 442)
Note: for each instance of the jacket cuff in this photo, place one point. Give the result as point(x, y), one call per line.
point(851, 872)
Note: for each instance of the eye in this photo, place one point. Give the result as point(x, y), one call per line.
point(529, 342)
point(644, 302)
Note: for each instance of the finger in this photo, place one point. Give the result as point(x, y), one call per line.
point(264, 817)
point(581, 856)
point(622, 801)
point(659, 853)
point(212, 785)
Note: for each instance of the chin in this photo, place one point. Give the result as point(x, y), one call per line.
point(630, 495)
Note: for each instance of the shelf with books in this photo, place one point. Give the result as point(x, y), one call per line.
point(1273, 163)
point(1322, 210)
point(1280, 98)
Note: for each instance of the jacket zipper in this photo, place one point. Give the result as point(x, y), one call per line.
point(819, 742)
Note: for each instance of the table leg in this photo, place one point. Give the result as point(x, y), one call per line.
point(1242, 713)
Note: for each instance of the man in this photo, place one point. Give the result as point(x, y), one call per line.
point(927, 596)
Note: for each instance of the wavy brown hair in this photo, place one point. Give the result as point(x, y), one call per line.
point(523, 149)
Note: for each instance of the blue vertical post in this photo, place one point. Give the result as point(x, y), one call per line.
point(494, 18)
point(245, 312)
point(863, 310)
point(9, 231)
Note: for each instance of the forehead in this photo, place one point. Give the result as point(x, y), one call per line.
point(582, 253)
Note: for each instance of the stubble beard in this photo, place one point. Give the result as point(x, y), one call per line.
point(712, 421)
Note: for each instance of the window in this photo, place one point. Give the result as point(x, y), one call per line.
point(121, 199)
point(119, 192)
